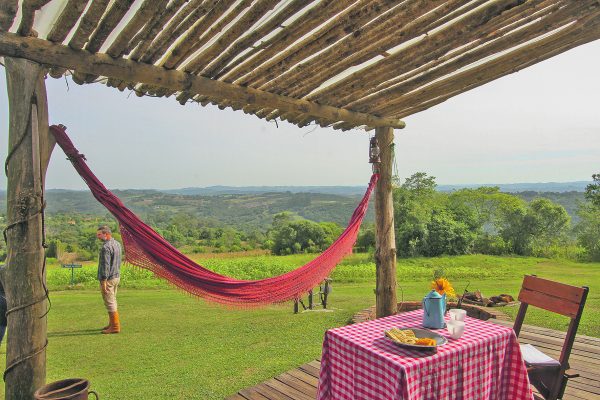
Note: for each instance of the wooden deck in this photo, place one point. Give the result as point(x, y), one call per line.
point(301, 383)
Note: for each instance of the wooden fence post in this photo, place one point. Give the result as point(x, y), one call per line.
point(29, 149)
point(385, 251)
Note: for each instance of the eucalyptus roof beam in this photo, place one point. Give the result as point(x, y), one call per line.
point(82, 61)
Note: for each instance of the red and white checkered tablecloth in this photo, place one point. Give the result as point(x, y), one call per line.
point(358, 362)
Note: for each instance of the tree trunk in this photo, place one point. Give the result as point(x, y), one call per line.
point(385, 254)
point(24, 278)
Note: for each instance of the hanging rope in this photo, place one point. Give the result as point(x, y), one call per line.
point(147, 249)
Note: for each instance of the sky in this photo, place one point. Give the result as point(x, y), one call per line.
point(541, 124)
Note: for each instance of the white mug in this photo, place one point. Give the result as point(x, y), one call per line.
point(457, 314)
point(455, 328)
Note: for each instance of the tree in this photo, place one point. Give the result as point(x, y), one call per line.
point(366, 238)
point(592, 191)
point(540, 222)
point(550, 220)
point(300, 236)
point(420, 184)
point(588, 229)
point(445, 235)
point(332, 232)
point(414, 202)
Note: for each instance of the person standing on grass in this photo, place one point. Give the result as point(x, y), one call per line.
point(109, 272)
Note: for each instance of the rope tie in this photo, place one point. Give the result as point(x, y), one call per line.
point(22, 221)
point(21, 360)
point(23, 306)
point(76, 156)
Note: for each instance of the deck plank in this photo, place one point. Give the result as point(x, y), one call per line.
point(301, 383)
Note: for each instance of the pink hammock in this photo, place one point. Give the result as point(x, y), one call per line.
point(147, 249)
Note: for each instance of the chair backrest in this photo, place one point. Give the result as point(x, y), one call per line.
point(556, 297)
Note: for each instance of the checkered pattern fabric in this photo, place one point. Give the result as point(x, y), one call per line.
point(359, 362)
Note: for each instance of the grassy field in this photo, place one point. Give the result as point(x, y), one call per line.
point(177, 347)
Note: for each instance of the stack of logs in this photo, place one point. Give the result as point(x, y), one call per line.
point(495, 301)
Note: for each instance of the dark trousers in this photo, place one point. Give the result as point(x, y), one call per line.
point(2, 316)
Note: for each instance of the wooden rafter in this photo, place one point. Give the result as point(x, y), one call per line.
point(45, 52)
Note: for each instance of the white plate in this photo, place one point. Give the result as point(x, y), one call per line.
point(421, 334)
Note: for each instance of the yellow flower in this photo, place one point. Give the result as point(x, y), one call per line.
point(442, 286)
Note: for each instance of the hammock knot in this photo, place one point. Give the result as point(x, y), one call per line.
point(75, 157)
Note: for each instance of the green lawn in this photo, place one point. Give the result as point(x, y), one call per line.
point(174, 346)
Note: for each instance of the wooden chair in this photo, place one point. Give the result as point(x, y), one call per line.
point(547, 375)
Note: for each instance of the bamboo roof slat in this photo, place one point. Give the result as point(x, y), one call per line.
point(433, 47)
point(8, 12)
point(251, 109)
point(388, 97)
point(274, 115)
point(430, 47)
point(356, 50)
point(86, 27)
point(191, 39)
point(107, 24)
point(189, 15)
point(139, 20)
point(339, 63)
point(248, 19)
point(304, 121)
point(28, 9)
point(289, 10)
point(183, 97)
point(88, 23)
point(192, 45)
point(503, 65)
point(114, 15)
point(67, 20)
point(360, 13)
point(140, 42)
point(308, 21)
point(466, 8)
point(143, 39)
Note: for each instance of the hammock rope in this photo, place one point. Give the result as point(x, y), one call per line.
point(146, 249)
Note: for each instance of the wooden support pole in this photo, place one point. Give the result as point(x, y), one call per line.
point(24, 279)
point(385, 252)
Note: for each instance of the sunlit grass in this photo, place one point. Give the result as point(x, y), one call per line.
point(174, 346)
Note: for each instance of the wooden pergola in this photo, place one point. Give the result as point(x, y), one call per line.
point(343, 64)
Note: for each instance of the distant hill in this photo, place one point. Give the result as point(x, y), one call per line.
point(254, 206)
point(577, 186)
point(219, 190)
point(244, 211)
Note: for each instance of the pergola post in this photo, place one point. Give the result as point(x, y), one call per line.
point(29, 149)
point(385, 252)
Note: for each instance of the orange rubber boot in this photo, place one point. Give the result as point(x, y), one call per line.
point(115, 323)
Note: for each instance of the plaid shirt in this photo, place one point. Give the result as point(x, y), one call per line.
point(109, 261)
